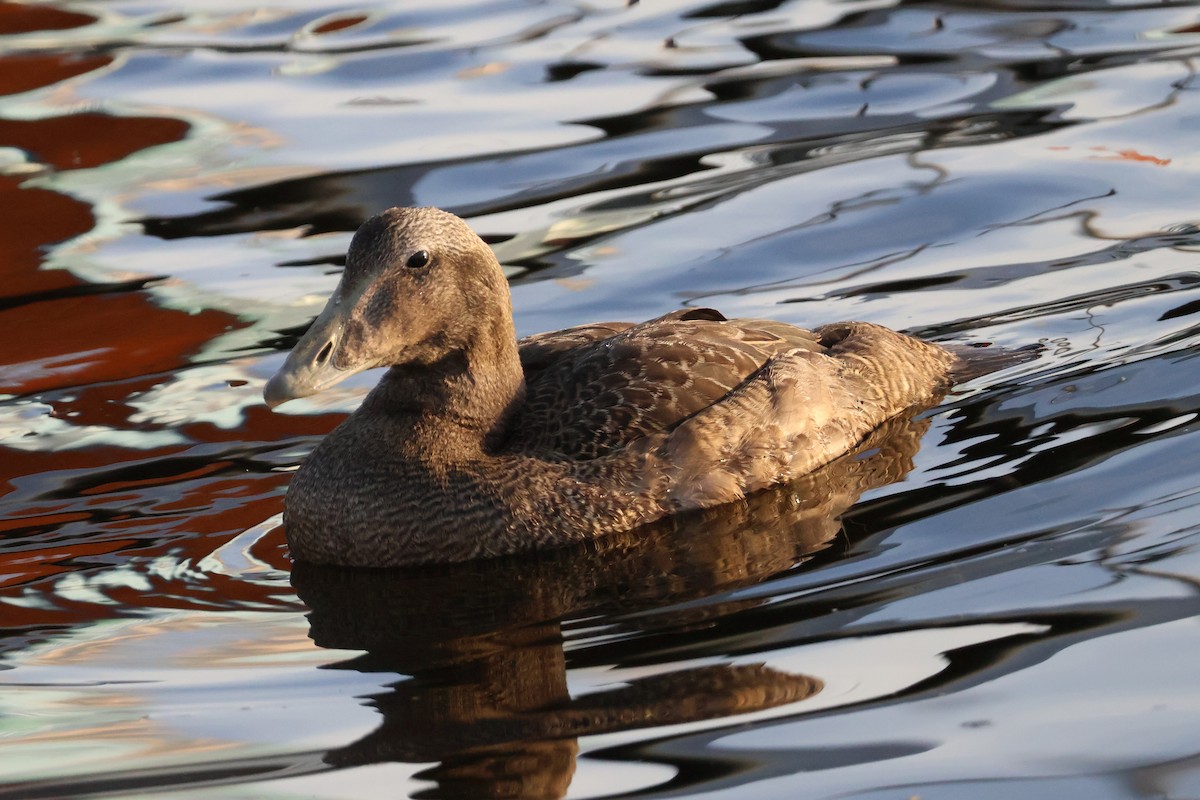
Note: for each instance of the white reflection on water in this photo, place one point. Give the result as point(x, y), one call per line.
point(174, 689)
point(853, 670)
point(1048, 722)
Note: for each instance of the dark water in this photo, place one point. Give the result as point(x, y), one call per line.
point(997, 598)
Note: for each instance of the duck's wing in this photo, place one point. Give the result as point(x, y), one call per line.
point(808, 408)
point(542, 350)
point(593, 390)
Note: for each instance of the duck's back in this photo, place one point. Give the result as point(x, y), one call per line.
point(594, 389)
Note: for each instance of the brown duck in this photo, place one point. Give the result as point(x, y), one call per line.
point(475, 444)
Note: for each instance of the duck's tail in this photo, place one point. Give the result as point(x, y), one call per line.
point(974, 360)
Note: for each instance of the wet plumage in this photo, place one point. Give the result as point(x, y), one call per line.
point(474, 444)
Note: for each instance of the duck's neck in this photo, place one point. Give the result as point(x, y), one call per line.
point(456, 407)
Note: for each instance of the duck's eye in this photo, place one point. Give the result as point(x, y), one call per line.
point(418, 259)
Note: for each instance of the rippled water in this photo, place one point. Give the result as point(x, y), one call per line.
point(997, 598)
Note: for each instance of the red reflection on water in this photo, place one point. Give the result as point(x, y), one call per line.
point(94, 337)
point(21, 72)
point(32, 219)
point(100, 338)
point(29, 17)
point(261, 424)
point(24, 567)
point(82, 141)
point(131, 522)
point(70, 512)
point(339, 23)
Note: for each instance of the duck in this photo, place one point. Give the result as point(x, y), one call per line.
point(476, 444)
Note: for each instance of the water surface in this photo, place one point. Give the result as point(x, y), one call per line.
point(996, 597)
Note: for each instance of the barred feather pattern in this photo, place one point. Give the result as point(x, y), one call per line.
point(474, 444)
point(619, 425)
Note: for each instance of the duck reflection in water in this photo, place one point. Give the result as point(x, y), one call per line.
point(489, 699)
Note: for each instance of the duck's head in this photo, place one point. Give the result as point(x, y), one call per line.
point(419, 285)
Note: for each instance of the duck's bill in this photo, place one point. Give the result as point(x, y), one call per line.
point(310, 367)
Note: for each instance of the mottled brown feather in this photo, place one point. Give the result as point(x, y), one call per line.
point(597, 394)
point(475, 445)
